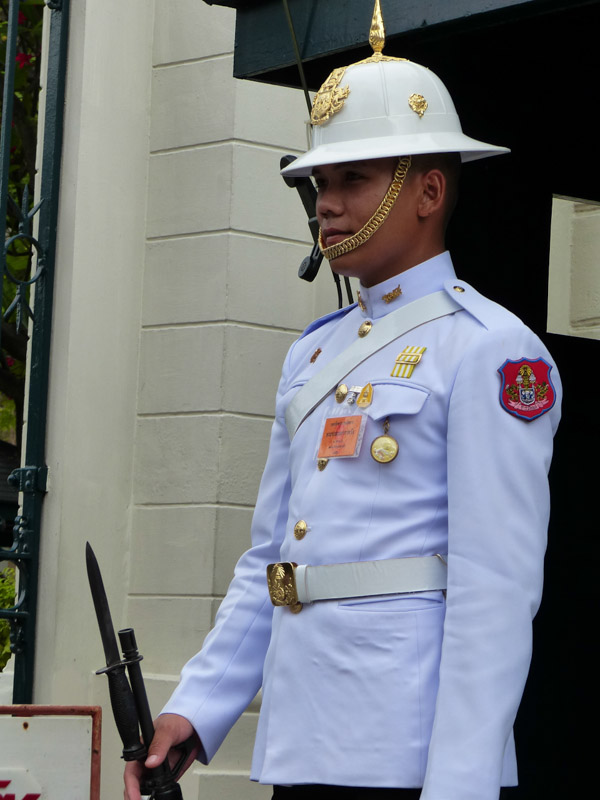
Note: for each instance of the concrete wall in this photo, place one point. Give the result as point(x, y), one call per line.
point(176, 300)
point(574, 285)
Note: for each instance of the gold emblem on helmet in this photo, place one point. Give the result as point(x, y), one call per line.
point(418, 104)
point(330, 97)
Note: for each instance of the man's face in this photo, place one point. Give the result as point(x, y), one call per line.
point(348, 195)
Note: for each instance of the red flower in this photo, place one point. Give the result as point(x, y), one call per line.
point(22, 18)
point(23, 59)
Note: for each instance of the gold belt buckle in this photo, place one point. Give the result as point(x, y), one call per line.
point(281, 580)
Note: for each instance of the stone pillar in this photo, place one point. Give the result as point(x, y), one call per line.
point(221, 305)
point(176, 300)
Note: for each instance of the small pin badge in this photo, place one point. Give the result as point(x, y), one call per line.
point(315, 355)
point(389, 297)
point(365, 398)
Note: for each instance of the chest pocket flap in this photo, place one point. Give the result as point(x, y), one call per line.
point(396, 398)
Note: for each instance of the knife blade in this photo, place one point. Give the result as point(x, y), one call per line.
point(121, 696)
point(107, 631)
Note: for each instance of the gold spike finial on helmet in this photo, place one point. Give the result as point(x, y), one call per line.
point(377, 32)
point(377, 39)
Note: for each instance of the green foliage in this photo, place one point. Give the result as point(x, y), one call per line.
point(21, 177)
point(7, 599)
point(27, 81)
point(7, 419)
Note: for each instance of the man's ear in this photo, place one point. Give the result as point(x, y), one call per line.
point(432, 193)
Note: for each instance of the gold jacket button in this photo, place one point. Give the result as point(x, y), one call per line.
point(365, 328)
point(300, 529)
point(458, 288)
point(341, 392)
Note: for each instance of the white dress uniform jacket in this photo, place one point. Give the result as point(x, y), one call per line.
point(400, 691)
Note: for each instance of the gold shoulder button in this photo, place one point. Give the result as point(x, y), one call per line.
point(341, 392)
point(365, 328)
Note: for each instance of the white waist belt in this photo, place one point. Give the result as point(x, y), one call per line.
point(291, 585)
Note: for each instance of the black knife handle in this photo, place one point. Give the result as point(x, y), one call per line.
point(170, 792)
point(123, 706)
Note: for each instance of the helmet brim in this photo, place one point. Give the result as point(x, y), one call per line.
point(386, 146)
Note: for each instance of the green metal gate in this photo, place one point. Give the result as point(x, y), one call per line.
point(31, 231)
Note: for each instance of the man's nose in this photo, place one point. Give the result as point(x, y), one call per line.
point(329, 203)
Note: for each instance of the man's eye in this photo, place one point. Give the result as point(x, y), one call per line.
point(353, 176)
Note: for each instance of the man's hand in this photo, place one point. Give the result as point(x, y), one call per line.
point(169, 730)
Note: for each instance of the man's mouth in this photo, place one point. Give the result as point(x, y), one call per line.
point(333, 236)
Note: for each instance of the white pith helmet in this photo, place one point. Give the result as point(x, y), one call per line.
point(384, 107)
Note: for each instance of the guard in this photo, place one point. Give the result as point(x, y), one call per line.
point(385, 606)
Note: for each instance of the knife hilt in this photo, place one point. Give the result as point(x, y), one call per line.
point(124, 711)
point(160, 782)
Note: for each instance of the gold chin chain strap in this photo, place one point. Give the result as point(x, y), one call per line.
point(378, 218)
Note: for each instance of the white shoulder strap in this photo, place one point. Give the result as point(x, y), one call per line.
point(384, 331)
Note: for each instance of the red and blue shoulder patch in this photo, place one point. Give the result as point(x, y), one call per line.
point(527, 389)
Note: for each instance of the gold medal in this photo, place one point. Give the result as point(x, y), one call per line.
point(384, 448)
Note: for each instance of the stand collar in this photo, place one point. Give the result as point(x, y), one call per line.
point(425, 278)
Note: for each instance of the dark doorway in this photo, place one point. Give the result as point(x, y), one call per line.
point(532, 86)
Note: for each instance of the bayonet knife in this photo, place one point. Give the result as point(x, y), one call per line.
point(121, 696)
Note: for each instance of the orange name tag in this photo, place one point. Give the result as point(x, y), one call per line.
point(342, 436)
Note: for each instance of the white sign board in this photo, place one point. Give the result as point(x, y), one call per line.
point(48, 756)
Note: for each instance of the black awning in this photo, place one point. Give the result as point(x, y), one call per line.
point(324, 28)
